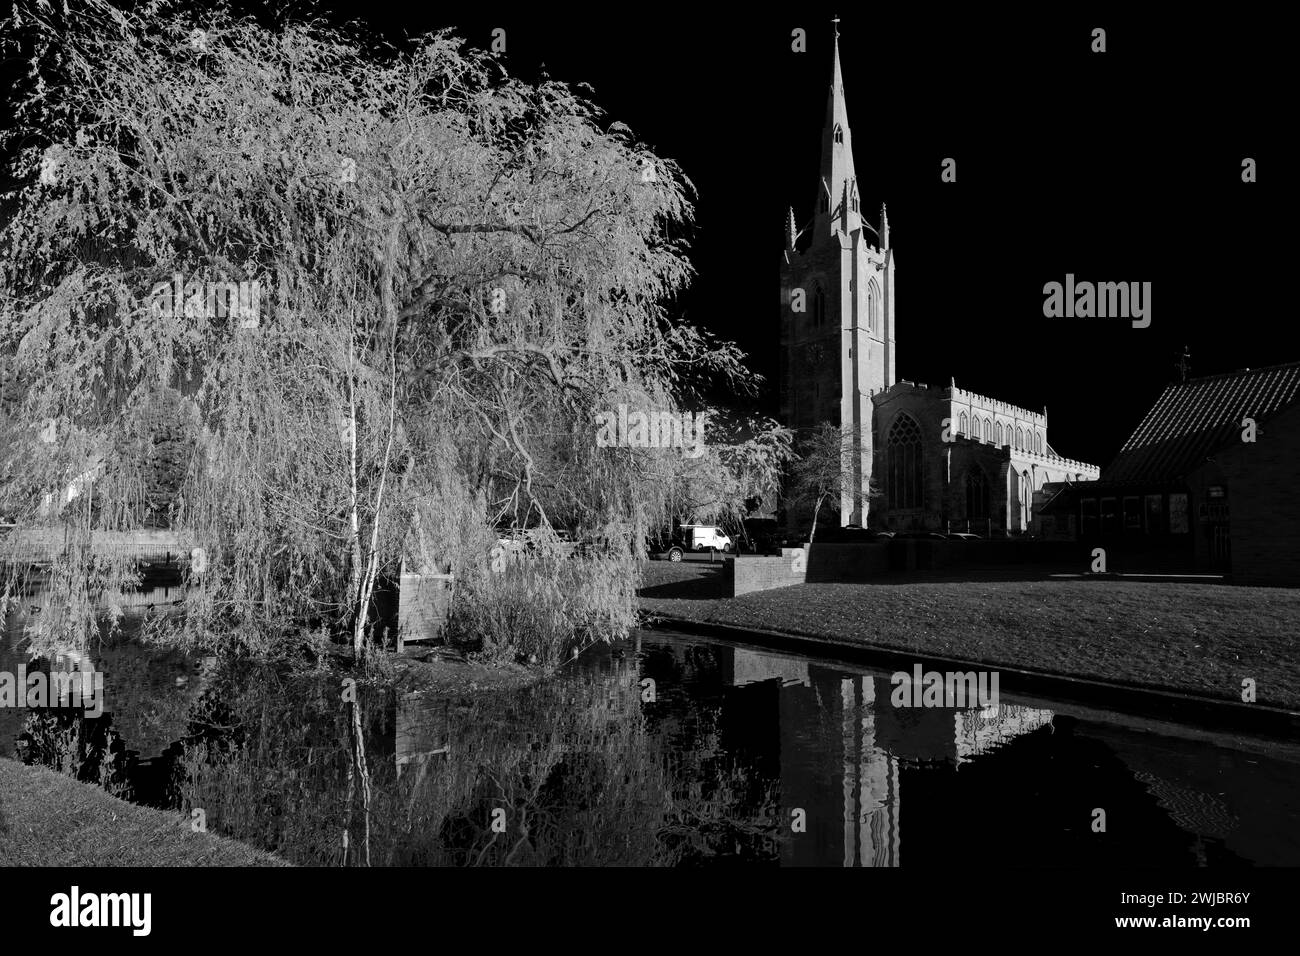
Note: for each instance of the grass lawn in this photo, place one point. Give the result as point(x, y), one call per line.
point(48, 819)
point(1195, 638)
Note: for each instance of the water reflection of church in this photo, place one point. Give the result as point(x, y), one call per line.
point(876, 743)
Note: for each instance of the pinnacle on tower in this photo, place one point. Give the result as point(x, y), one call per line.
point(884, 228)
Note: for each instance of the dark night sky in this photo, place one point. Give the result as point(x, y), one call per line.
point(1123, 166)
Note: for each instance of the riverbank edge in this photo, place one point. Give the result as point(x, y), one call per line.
point(1136, 699)
point(50, 819)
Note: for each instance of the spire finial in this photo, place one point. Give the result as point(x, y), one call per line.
point(836, 20)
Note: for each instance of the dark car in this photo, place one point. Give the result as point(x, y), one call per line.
point(849, 533)
point(922, 535)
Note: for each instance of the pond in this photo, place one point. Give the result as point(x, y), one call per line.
point(666, 749)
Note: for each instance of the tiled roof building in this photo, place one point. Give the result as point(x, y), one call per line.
point(1193, 419)
point(1206, 482)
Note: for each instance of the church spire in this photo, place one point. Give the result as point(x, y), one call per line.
point(837, 152)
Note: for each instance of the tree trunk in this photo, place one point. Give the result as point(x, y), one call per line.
point(816, 509)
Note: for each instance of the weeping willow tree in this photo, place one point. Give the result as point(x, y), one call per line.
point(379, 293)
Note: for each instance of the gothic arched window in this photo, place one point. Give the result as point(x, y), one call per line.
point(1020, 438)
point(998, 431)
point(977, 494)
point(819, 307)
point(988, 430)
point(962, 427)
point(873, 305)
point(839, 133)
point(1038, 443)
point(904, 464)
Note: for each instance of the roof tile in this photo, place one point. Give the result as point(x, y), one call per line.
point(1191, 420)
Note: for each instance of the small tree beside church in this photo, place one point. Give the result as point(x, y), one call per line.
point(818, 477)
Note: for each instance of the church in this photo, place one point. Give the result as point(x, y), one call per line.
point(917, 457)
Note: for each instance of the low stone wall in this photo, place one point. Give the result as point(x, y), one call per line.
point(749, 574)
point(847, 562)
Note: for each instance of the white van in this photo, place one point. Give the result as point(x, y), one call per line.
point(699, 537)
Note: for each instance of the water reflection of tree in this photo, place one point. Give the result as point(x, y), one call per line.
point(571, 763)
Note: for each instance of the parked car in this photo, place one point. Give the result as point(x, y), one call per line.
point(962, 536)
point(849, 533)
point(922, 535)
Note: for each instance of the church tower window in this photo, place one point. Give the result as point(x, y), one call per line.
point(1038, 443)
point(839, 133)
point(904, 465)
point(988, 430)
point(819, 307)
point(963, 427)
point(998, 430)
point(1020, 438)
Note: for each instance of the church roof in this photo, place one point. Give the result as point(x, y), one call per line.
point(1192, 419)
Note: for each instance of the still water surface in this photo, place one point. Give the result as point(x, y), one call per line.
point(671, 749)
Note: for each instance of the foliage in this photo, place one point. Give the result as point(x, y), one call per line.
point(458, 270)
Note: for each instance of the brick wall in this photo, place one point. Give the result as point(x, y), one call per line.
point(749, 574)
point(1264, 520)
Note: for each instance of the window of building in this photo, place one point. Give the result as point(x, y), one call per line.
point(1088, 517)
point(1132, 515)
point(1109, 515)
point(1020, 438)
point(977, 494)
point(1155, 517)
point(904, 464)
point(988, 430)
point(1178, 513)
point(963, 427)
point(1038, 443)
point(839, 133)
point(819, 307)
point(997, 429)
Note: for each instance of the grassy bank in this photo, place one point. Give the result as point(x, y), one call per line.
point(48, 819)
point(1201, 639)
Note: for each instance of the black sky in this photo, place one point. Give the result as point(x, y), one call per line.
point(1122, 166)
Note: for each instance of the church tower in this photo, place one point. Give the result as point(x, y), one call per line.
point(837, 308)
